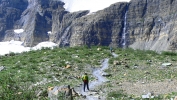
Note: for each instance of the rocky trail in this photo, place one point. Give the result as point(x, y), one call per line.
point(92, 94)
point(100, 79)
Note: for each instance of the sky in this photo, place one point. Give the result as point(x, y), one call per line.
point(92, 5)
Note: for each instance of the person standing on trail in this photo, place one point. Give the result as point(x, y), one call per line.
point(111, 49)
point(86, 81)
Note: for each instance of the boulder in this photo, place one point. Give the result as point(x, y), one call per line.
point(67, 91)
point(175, 98)
point(98, 49)
point(147, 96)
point(116, 63)
point(106, 74)
point(2, 68)
point(166, 64)
point(68, 66)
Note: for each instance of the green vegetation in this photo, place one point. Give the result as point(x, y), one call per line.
point(140, 66)
point(145, 63)
point(28, 73)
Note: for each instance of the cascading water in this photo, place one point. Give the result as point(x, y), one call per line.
point(124, 34)
point(65, 37)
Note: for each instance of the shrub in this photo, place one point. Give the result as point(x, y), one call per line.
point(169, 53)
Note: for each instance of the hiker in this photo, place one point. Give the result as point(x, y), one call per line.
point(86, 81)
point(111, 49)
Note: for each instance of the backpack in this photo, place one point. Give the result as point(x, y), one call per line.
point(85, 77)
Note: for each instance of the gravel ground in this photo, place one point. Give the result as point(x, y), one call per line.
point(140, 88)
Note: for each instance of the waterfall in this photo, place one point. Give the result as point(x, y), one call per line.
point(124, 34)
point(65, 37)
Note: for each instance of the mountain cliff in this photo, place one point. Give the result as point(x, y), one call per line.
point(139, 24)
point(151, 24)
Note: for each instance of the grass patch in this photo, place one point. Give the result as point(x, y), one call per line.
point(23, 71)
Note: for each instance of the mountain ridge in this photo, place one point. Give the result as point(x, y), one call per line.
point(150, 24)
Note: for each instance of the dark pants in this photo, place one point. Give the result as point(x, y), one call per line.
point(86, 84)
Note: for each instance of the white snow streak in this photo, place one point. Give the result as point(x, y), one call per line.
point(18, 31)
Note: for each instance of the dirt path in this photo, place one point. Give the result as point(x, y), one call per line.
point(97, 73)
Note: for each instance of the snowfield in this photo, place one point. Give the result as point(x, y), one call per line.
point(17, 47)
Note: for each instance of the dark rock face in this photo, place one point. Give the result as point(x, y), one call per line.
point(10, 12)
point(101, 28)
point(139, 24)
point(36, 20)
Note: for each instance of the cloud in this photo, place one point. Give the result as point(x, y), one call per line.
point(92, 5)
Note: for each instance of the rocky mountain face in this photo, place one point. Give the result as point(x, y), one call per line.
point(139, 24)
point(34, 17)
point(10, 12)
point(152, 24)
point(101, 28)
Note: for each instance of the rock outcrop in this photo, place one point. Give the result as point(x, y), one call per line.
point(139, 24)
point(151, 24)
point(36, 20)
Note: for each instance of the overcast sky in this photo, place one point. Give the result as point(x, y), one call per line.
point(92, 5)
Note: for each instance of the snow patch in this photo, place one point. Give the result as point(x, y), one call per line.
point(49, 32)
point(17, 47)
point(44, 45)
point(12, 46)
point(18, 31)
